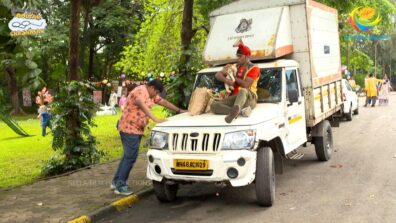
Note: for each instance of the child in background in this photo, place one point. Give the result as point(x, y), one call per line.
point(44, 117)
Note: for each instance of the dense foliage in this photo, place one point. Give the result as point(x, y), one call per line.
point(106, 26)
point(73, 140)
point(359, 54)
point(157, 47)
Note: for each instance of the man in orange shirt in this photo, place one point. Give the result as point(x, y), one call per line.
point(134, 119)
point(244, 96)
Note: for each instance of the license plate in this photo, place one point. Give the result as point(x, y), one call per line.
point(181, 164)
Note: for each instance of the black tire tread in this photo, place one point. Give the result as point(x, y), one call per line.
point(320, 143)
point(164, 192)
point(356, 112)
point(265, 170)
point(348, 116)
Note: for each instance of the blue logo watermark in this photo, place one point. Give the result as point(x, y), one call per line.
point(370, 37)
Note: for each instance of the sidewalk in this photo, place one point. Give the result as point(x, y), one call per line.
point(64, 198)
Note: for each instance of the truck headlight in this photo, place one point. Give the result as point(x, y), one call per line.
point(239, 140)
point(159, 140)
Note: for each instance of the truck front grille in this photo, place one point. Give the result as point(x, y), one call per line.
point(204, 142)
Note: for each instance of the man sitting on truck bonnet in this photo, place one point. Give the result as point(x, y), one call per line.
point(244, 96)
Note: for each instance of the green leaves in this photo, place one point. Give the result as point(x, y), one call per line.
point(156, 47)
point(30, 64)
point(362, 52)
point(73, 111)
point(385, 7)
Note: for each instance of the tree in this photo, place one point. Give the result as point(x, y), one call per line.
point(158, 47)
point(115, 23)
point(182, 87)
point(73, 111)
point(88, 5)
point(16, 60)
point(385, 8)
point(74, 39)
point(76, 146)
point(187, 34)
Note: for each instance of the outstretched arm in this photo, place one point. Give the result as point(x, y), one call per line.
point(171, 106)
point(379, 81)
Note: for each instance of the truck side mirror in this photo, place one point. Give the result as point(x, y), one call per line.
point(293, 95)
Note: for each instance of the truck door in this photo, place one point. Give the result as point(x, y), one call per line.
point(296, 125)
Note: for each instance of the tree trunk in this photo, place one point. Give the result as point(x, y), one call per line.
point(87, 14)
point(45, 69)
point(91, 61)
point(74, 39)
point(13, 89)
point(347, 55)
point(186, 35)
point(73, 122)
point(375, 58)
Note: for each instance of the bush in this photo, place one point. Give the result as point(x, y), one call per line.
point(73, 111)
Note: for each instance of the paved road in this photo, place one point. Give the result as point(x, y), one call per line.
point(357, 185)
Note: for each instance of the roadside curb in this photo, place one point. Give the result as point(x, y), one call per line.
point(116, 206)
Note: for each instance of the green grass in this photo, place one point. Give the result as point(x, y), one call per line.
point(21, 158)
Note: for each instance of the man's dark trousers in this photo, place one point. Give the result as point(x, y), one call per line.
point(130, 144)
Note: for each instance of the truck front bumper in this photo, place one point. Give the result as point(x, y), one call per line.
point(237, 167)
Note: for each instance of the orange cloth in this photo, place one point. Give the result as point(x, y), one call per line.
point(253, 73)
point(133, 119)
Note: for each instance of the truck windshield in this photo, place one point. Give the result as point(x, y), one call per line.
point(268, 86)
point(209, 81)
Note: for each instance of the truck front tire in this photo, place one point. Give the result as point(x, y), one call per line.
point(265, 177)
point(324, 142)
point(348, 115)
point(165, 192)
point(356, 112)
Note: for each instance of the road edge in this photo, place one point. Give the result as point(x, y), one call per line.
point(115, 207)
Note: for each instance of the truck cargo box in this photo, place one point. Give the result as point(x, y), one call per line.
point(266, 31)
point(301, 30)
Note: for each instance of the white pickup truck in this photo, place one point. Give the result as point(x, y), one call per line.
point(295, 43)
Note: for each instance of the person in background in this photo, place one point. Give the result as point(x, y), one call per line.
point(122, 102)
point(368, 101)
point(134, 119)
point(113, 101)
point(384, 91)
point(44, 117)
point(371, 90)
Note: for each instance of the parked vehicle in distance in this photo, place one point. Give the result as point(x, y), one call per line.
point(350, 101)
